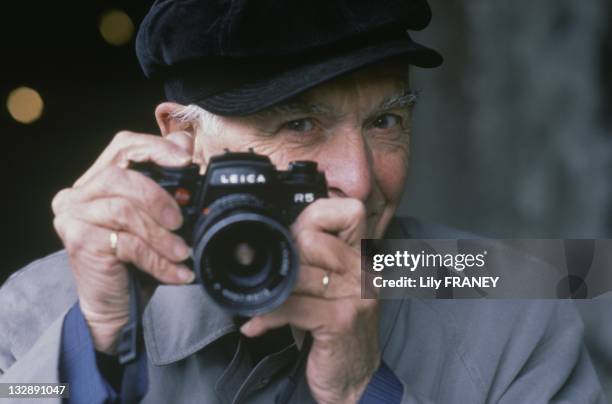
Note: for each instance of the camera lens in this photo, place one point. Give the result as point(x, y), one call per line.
point(244, 253)
point(244, 256)
point(239, 258)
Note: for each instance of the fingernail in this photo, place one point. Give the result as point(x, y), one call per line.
point(247, 328)
point(171, 218)
point(185, 275)
point(181, 251)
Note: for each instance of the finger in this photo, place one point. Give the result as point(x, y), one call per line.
point(132, 249)
point(129, 147)
point(311, 282)
point(114, 182)
point(298, 306)
point(326, 251)
point(308, 313)
point(345, 217)
point(122, 215)
point(61, 200)
point(82, 239)
point(184, 140)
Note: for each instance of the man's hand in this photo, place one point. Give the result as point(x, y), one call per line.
point(345, 352)
point(110, 198)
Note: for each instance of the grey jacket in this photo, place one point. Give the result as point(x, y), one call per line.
point(443, 351)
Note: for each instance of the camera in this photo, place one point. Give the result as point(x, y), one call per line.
point(236, 220)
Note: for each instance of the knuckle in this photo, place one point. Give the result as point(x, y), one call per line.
point(59, 200)
point(122, 136)
point(356, 209)
point(160, 240)
point(121, 212)
point(149, 261)
point(157, 191)
point(156, 264)
point(58, 225)
point(148, 230)
point(306, 245)
point(151, 192)
point(122, 157)
point(126, 248)
point(140, 251)
point(306, 240)
point(109, 175)
point(134, 250)
point(155, 198)
point(74, 237)
point(311, 212)
point(163, 241)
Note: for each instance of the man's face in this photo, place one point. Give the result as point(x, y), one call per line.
point(357, 128)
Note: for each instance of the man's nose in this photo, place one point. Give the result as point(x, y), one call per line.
point(347, 161)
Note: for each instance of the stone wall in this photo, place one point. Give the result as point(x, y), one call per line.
point(513, 134)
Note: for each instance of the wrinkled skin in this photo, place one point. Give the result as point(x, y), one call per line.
point(363, 150)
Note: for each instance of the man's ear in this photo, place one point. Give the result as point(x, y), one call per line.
point(167, 124)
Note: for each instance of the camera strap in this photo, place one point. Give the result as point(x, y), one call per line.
point(287, 388)
point(129, 343)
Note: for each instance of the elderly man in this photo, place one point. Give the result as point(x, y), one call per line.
point(324, 81)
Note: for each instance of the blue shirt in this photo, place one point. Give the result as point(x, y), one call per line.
point(80, 367)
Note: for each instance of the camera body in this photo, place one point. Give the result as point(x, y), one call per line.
point(236, 219)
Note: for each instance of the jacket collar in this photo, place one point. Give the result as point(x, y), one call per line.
point(181, 320)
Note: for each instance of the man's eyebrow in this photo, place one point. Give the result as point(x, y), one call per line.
point(297, 107)
point(406, 99)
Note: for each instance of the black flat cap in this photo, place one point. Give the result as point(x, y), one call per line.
point(236, 57)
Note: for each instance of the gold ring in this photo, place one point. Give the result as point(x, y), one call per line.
point(114, 239)
point(325, 281)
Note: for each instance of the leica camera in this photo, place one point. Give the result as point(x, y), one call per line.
point(236, 220)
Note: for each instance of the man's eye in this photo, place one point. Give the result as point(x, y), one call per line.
point(387, 121)
point(300, 125)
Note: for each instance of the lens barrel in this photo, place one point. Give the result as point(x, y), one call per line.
point(244, 256)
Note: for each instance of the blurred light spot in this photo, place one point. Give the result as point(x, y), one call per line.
point(24, 104)
point(116, 27)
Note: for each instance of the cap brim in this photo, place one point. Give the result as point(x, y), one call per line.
point(254, 97)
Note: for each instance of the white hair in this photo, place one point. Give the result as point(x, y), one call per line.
point(196, 116)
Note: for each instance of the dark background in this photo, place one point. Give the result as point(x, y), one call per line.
point(91, 90)
point(513, 135)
